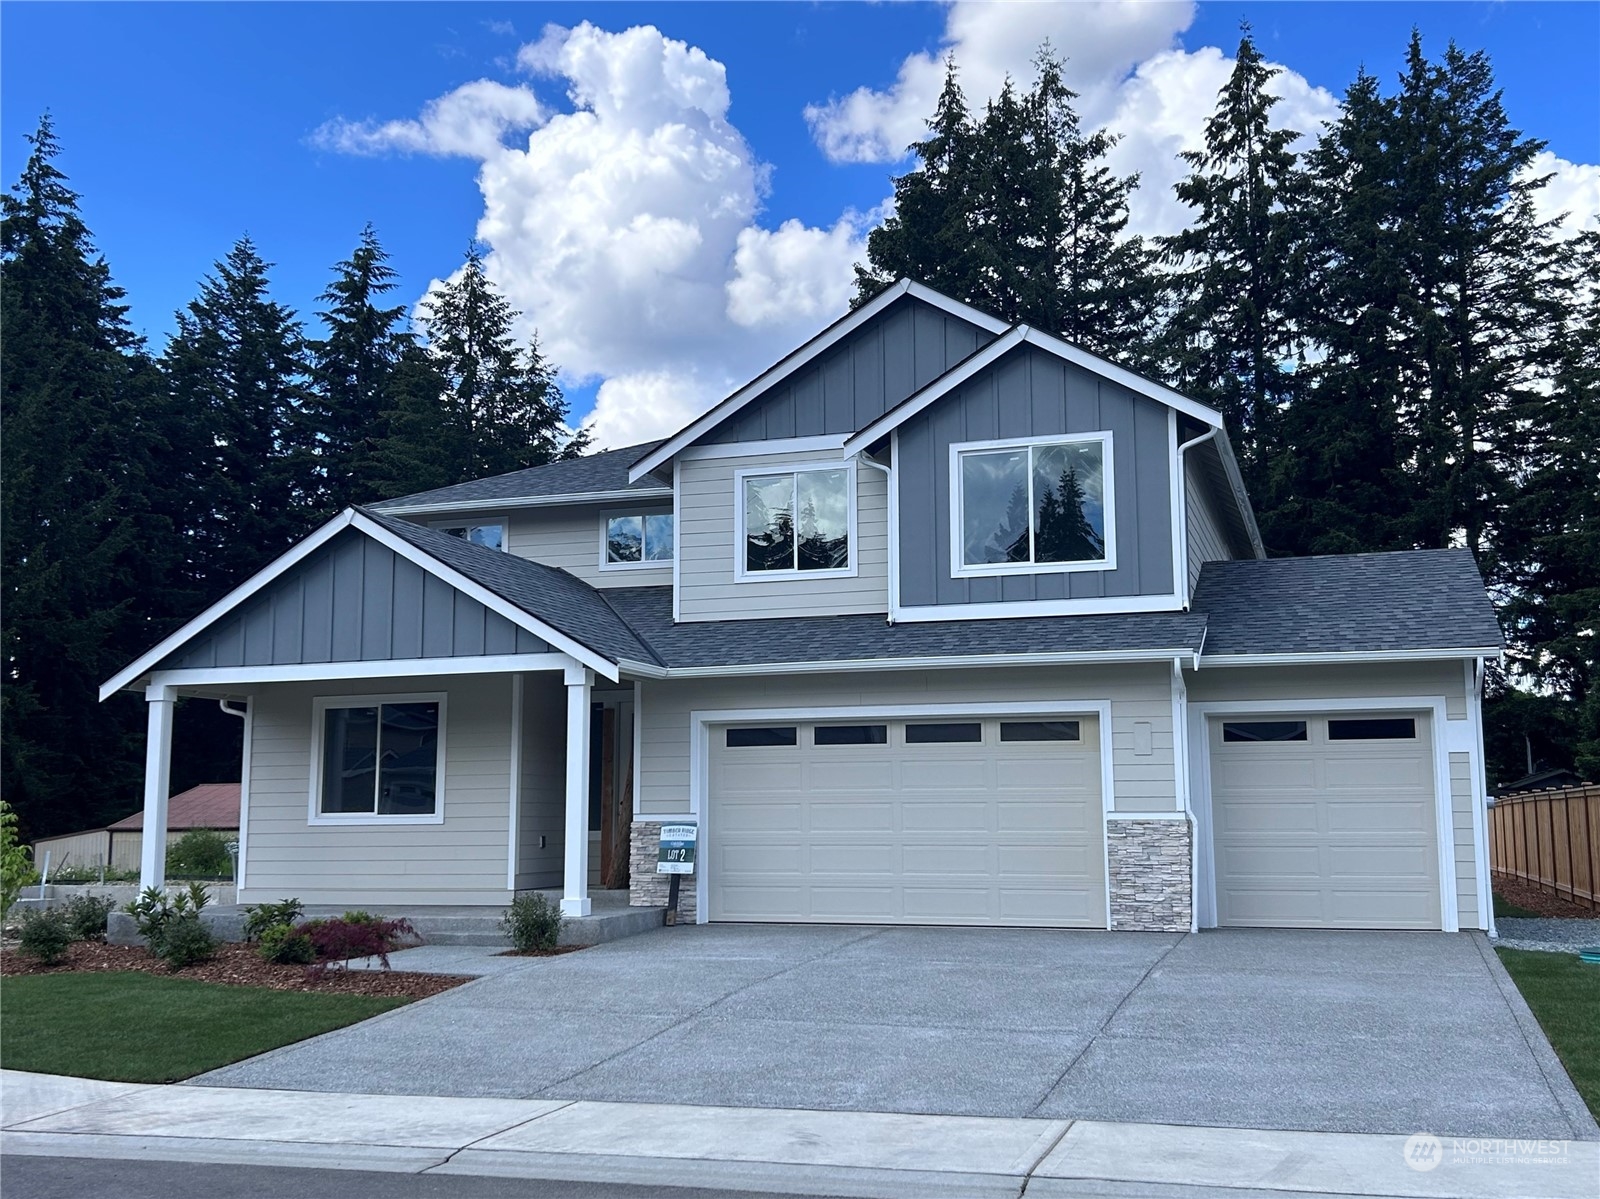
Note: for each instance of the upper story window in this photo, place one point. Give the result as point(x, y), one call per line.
point(378, 758)
point(491, 534)
point(1035, 505)
point(632, 541)
point(797, 521)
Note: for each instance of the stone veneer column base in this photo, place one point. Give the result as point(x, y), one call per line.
point(1151, 878)
point(646, 888)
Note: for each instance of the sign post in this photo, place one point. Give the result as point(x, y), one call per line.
point(675, 857)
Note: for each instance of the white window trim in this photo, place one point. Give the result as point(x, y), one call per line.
point(320, 705)
point(642, 564)
point(740, 574)
point(479, 518)
point(960, 570)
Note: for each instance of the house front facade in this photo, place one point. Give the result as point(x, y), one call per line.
point(937, 621)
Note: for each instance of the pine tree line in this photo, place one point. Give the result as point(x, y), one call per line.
point(138, 486)
point(1405, 355)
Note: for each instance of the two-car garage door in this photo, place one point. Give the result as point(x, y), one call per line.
point(964, 820)
point(1324, 820)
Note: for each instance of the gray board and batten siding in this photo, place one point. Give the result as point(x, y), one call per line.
point(855, 382)
point(1029, 393)
point(354, 600)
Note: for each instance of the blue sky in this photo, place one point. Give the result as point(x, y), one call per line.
point(715, 232)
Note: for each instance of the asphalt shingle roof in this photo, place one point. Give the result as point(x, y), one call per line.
point(1406, 600)
point(602, 472)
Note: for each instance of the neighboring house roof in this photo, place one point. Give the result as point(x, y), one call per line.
point(210, 805)
point(590, 478)
point(1554, 779)
point(1409, 602)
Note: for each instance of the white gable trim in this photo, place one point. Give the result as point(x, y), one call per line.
point(997, 349)
point(828, 338)
point(501, 503)
point(350, 518)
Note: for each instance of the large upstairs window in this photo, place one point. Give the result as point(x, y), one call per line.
point(1035, 505)
point(796, 522)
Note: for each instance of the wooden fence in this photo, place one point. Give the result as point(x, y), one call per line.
point(1548, 839)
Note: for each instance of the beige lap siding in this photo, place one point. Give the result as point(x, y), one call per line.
point(544, 783)
point(1138, 694)
point(461, 861)
point(570, 537)
point(1462, 834)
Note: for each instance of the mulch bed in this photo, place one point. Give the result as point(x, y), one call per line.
point(236, 965)
point(1526, 895)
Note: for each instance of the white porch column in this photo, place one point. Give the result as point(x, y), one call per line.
point(157, 785)
point(575, 894)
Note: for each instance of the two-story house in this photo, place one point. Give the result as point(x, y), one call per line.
point(937, 621)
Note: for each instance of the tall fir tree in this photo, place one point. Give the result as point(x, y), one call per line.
point(1230, 340)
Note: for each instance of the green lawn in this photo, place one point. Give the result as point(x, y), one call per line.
point(132, 1027)
point(1564, 994)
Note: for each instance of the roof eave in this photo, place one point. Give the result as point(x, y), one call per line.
point(444, 507)
point(1339, 657)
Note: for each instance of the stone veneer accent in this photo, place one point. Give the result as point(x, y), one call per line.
point(1151, 880)
point(646, 888)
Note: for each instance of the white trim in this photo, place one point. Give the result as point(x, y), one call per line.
point(1177, 502)
point(741, 575)
point(1111, 815)
point(831, 442)
point(575, 821)
point(160, 703)
point(643, 564)
point(1012, 609)
point(960, 569)
point(319, 705)
point(1352, 656)
point(1480, 797)
point(638, 749)
point(515, 817)
point(891, 490)
point(996, 350)
point(677, 558)
point(397, 668)
point(244, 791)
point(1200, 778)
point(702, 720)
point(1181, 778)
point(523, 501)
point(499, 518)
point(973, 661)
point(792, 362)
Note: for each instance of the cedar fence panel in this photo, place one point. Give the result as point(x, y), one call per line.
point(1549, 840)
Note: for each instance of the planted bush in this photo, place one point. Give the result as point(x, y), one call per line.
point(260, 918)
point(200, 853)
point(86, 916)
point(532, 923)
point(185, 941)
point(16, 863)
point(46, 935)
point(287, 946)
point(155, 910)
point(338, 939)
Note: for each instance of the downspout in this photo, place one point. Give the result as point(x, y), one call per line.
point(1481, 794)
point(1181, 768)
point(1183, 504)
point(893, 530)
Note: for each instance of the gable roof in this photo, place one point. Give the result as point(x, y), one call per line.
point(1407, 602)
point(591, 478)
point(664, 451)
point(210, 805)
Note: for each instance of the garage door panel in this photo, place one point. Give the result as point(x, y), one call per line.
point(1385, 908)
point(941, 833)
point(1248, 815)
point(1276, 861)
point(1380, 815)
point(1280, 772)
point(1350, 772)
point(1382, 861)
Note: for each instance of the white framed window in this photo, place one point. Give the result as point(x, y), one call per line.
point(488, 531)
point(1035, 505)
point(377, 759)
point(630, 541)
point(799, 522)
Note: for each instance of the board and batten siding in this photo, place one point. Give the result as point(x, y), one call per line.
point(1029, 393)
point(459, 861)
point(1207, 540)
point(354, 600)
point(708, 503)
point(853, 383)
point(571, 537)
point(1142, 760)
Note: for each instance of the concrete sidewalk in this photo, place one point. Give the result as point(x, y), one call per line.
point(867, 1154)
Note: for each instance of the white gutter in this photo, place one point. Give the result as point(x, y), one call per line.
point(1181, 502)
point(650, 671)
point(526, 501)
point(1334, 659)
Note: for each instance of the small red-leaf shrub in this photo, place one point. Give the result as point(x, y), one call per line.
point(337, 940)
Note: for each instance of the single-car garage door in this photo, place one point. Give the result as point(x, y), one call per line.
point(957, 821)
point(1324, 821)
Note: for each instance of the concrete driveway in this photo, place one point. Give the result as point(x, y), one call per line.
point(1356, 1032)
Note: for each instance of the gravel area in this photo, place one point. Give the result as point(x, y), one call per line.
point(1550, 935)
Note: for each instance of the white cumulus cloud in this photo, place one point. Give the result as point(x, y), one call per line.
point(1573, 189)
point(470, 122)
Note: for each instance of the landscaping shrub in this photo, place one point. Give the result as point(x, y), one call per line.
point(185, 941)
point(287, 946)
point(338, 940)
point(200, 853)
point(86, 916)
point(359, 917)
point(155, 911)
point(46, 935)
point(16, 870)
point(532, 922)
point(259, 918)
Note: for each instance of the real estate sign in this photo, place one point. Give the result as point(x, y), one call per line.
point(676, 855)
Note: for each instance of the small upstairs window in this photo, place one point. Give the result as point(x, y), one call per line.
point(796, 522)
point(489, 534)
point(632, 541)
point(1032, 506)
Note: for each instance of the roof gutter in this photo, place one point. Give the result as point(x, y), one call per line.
point(526, 501)
point(753, 669)
point(1347, 657)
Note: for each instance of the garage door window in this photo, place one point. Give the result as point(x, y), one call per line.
point(852, 734)
point(938, 734)
point(1040, 730)
point(765, 735)
point(1373, 730)
point(1264, 730)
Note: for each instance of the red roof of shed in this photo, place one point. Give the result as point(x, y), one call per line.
point(210, 805)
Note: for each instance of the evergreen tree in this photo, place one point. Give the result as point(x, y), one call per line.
point(1230, 338)
point(420, 446)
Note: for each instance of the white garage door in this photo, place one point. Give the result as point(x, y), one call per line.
point(1325, 821)
point(956, 821)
